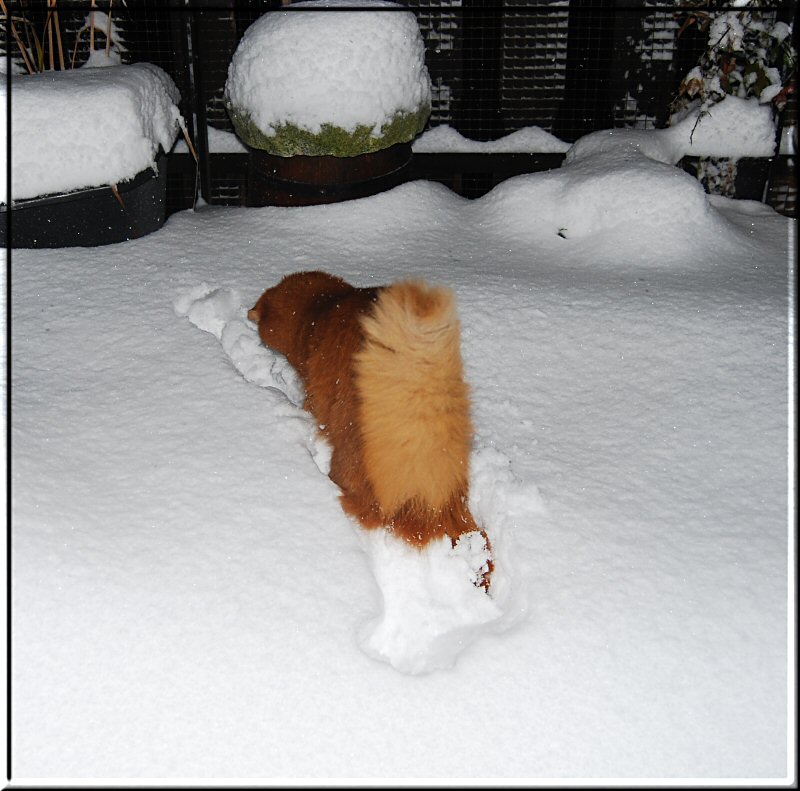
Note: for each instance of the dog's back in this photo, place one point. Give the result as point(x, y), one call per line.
point(414, 408)
point(384, 378)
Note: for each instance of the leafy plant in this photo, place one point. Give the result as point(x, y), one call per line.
point(749, 54)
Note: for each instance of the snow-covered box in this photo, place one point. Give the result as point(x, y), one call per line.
point(330, 77)
point(89, 127)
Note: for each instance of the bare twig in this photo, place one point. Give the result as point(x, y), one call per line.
point(36, 46)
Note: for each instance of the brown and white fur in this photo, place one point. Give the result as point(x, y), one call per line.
point(384, 379)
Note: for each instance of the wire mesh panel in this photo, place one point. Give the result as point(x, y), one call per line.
point(646, 48)
point(440, 24)
point(534, 65)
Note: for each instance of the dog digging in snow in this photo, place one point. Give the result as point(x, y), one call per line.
point(384, 380)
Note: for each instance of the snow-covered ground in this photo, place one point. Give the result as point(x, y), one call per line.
point(189, 599)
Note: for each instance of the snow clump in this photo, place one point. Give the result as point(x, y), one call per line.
point(221, 312)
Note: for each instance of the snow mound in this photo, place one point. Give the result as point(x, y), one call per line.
point(619, 146)
point(529, 140)
point(110, 123)
point(621, 181)
point(624, 181)
point(735, 128)
point(221, 312)
point(586, 197)
point(432, 606)
point(346, 68)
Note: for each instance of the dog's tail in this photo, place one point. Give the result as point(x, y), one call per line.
point(414, 403)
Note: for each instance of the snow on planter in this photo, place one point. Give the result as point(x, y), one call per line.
point(89, 127)
point(330, 82)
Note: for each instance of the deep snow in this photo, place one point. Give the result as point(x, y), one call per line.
point(190, 600)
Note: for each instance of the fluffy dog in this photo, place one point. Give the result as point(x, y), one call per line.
point(384, 379)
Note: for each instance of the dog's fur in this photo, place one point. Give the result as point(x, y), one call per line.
point(384, 379)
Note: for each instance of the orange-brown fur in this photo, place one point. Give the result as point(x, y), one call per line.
point(384, 379)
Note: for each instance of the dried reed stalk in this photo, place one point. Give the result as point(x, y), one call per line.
point(116, 194)
point(75, 48)
point(91, 32)
point(57, 23)
point(108, 30)
point(48, 26)
point(22, 48)
point(189, 142)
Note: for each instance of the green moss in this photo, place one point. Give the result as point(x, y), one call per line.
point(290, 140)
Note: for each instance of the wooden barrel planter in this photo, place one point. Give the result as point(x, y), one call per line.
point(311, 180)
point(90, 217)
